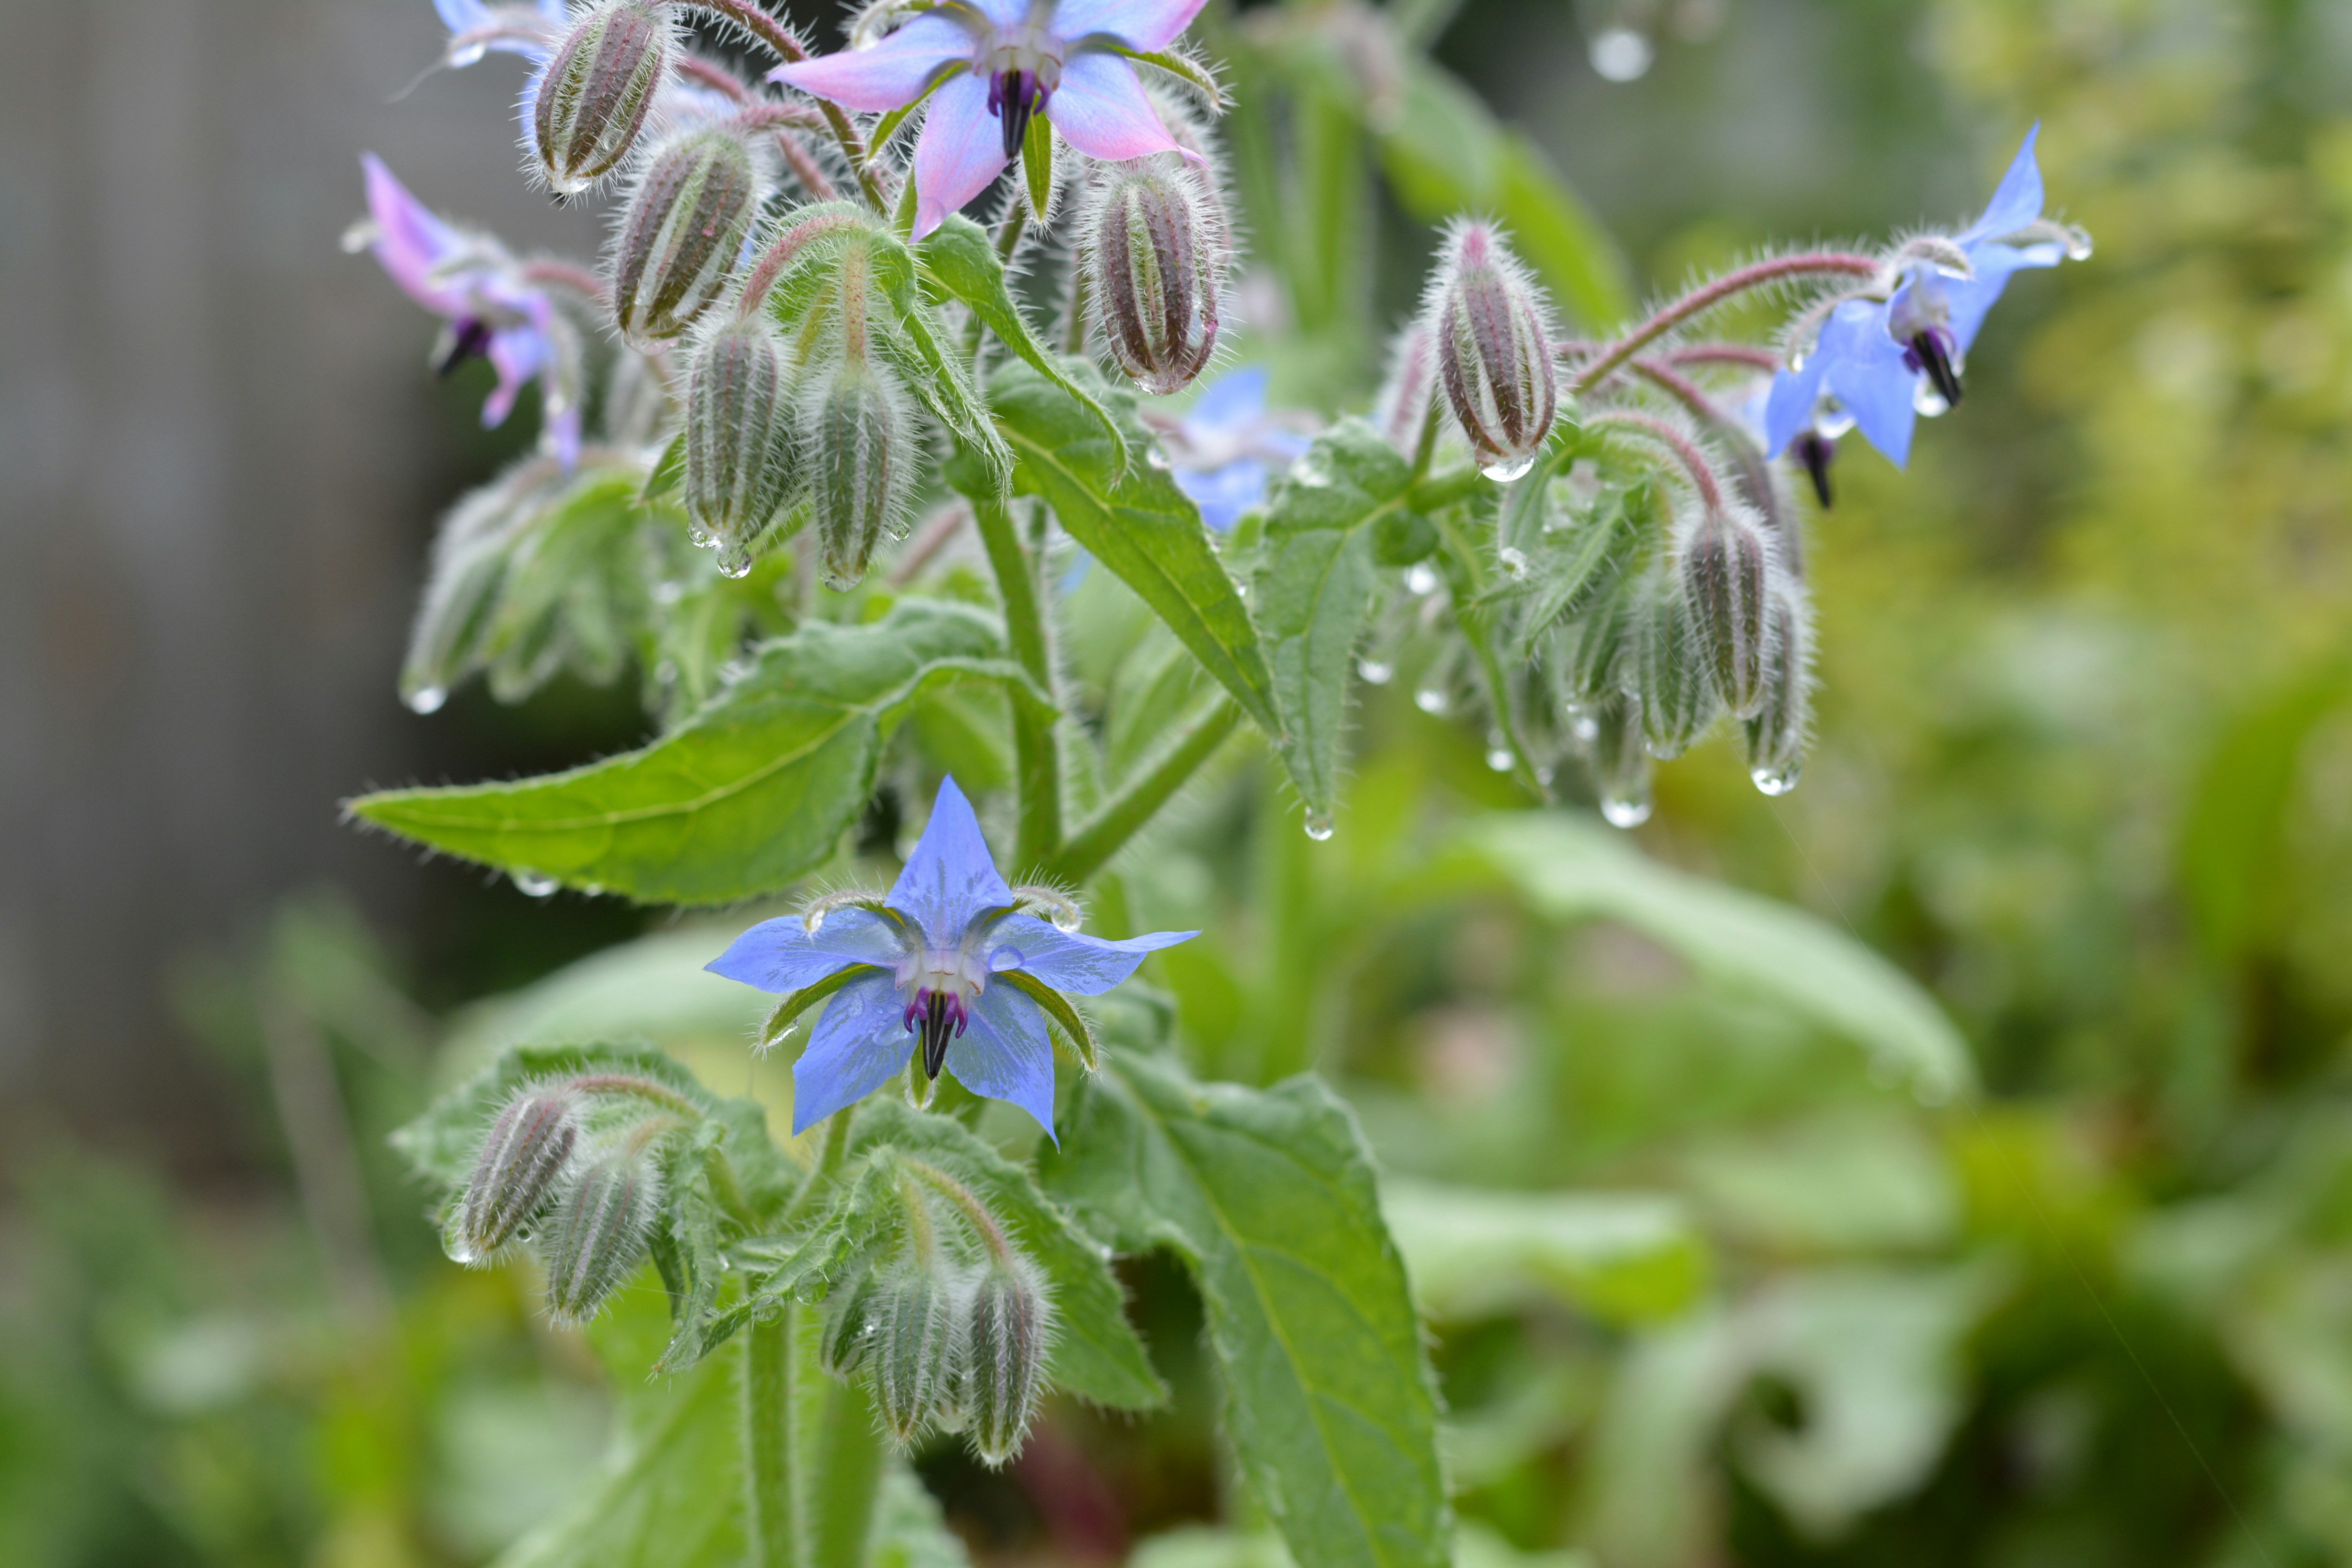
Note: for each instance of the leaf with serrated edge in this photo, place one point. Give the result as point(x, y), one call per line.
point(1269, 1195)
point(745, 799)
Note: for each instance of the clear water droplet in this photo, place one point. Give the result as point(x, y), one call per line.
point(2078, 245)
point(702, 537)
point(427, 699)
point(1376, 672)
point(457, 1252)
point(1157, 457)
point(1515, 562)
point(594, 890)
point(1926, 401)
point(1318, 827)
point(1430, 699)
point(1625, 808)
point(1621, 54)
point(1066, 920)
point(1421, 579)
point(530, 884)
point(669, 590)
point(1544, 776)
point(1774, 781)
point(359, 235)
point(1503, 471)
point(1499, 758)
point(470, 55)
point(735, 561)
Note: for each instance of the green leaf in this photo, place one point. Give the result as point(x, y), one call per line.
point(1312, 585)
point(957, 256)
point(1136, 522)
point(1570, 870)
point(1095, 1355)
point(1446, 156)
point(908, 1529)
point(1623, 1257)
point(745, 799)
point(1268, 1195)
point(668, 470)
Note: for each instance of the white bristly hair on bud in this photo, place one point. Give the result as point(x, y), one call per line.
point(591, 101)
point(1154, 247)
point(1491, 331)
point(1009, 1335)
point(1678, 700)
point(1779, 730)
point(1727, 569)
point(860, 442)
point(525, 1151)
point(742, 460)
point(683, 231)
point(599, 1231)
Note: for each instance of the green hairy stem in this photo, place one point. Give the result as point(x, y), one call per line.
point(773, 1515)
point(1124, 814)
point(1037, 750)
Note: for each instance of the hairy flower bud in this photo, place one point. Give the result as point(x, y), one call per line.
point(1776, 731)
point(597, 1234)
point(687, 222)
point(592, 100)
point(861, 448)
point(1670, 669)
point(915, 1348)
point(845, 1339)
point(741, 461)
point(526, 1149)
point(1153, 249)
point(1403, 405)
point(1726, 579)
point(1491, 328)
point(1591, 653)
point(1011, 1323)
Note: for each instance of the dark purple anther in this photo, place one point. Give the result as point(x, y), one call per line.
point(1815, 450)
point(939, 1016)
point(1013, 97)
point(472, 339)
point(1932, 351)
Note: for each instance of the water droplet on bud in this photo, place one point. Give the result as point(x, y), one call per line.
point(735, 561)
point(1375, 672)
point(1515, 562)
point(1774, 781)
point(531, 884)
point(1066, 920)
point(1318, 827)
point(1503, 473)
point(702, 537)
point(1421, 579)
point(1625, 810)
point(427, 699)
point(1430, 699)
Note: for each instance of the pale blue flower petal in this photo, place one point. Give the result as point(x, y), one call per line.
point(1970, 298)
point(1006, 1054)
point(1789, 408)
point(782, 955)
point(1145, 25)
point(952, 877)
point(1863, 369)
point(1228, 403)
point(1071, 961)
point(1223, 494)
point(860, 1043)
point(2016, 203)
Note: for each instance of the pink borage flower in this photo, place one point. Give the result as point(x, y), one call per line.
point(992, 65)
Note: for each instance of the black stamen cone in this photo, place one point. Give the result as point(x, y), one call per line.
point(1015, 100)
point(1815, 450)
point(938, 1028)
point(1929, 347)
point(473, 338)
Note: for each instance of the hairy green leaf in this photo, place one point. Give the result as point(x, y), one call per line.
point(1269, 1196)
point(746, 797)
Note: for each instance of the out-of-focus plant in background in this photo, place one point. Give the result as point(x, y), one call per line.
point(2083, 738)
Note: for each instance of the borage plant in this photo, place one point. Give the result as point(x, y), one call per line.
point(807, 464)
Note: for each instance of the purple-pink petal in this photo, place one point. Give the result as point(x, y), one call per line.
point(1004, 1053)
point(859, 1044)
point(411, 244)
point(890, 75)
point(960, 151)
point(952, 877)
point(1142, 25)
point(1071, 961)
point(1102, 110)
point(782, 955)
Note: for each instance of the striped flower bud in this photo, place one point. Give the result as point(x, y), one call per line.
point(845, 1338)
point(915, 1348)
point(742, 462)
point(1777, 729)
point(527, 1149)
point(1402, 405)
point(860, 449)
point(1591, 653)
point(1491, 328)
point(1726, 580)
point(687, 222)
point(1011, 1324)
point(592, 100)
point(597, 1234)
point(1670, 669)
point(1153, 249)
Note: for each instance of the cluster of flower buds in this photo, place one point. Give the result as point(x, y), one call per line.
point(583, 1187)
point(953, 1325)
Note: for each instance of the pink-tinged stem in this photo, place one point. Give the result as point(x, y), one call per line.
point(782, 42)
point(779, 256)
point(711, 74)
point(1685, 450)
point(1780, 269)
point(564, 275)
point(636, 1088)
point(803, 165)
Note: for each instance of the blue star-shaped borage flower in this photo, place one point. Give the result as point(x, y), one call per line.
point(949, 959)
point(1879, 364)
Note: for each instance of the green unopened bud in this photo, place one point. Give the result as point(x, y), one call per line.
point(1492, 331)
point(742, 464)
point(1726, 579)
point(1670, 669)
point(526, 1149)
point(597, 1234)
point(845, 1339)
point(1591, 653)
point(1154, 245)
point(1776, 731)
point(1011, 1326)
point(684, 232)
point(598, 86)
point(917, 1333)
point(861, 450)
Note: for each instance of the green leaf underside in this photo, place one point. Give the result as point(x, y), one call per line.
point(1571, 870)
point(1313, 586)
point(1138, 525)
point(1269, 1196)
point(745, 799)
point(1096, 1355)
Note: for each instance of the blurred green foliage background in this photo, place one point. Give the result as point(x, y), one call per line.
point(2084, 763)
